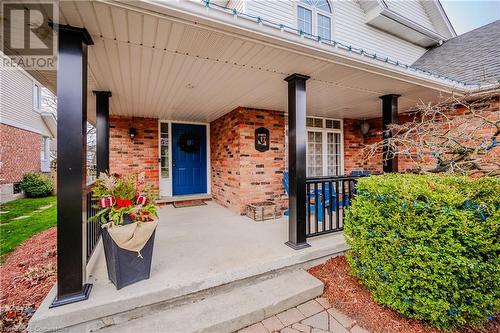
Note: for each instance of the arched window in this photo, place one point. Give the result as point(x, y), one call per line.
point(314, 17)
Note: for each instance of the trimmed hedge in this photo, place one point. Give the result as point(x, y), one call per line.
point(428, 246)
point(36, 185)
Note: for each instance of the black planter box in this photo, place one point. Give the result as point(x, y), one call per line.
point(126, 267)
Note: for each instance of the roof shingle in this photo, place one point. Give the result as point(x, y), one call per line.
point(473, 57)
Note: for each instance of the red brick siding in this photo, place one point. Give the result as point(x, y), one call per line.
point(354, 142)
point(19, 153)
point(240, 174)
point(225, 160)
point(141, 154)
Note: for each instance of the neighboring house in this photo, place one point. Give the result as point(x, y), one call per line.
point(27, 132)
point(193, 95)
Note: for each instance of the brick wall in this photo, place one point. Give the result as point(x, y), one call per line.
point(241, 174)
point(19, 153)
point(354, 142)
point(141, 154)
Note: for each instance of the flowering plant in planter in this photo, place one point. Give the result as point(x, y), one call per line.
point(123, 199)
point(129, 221)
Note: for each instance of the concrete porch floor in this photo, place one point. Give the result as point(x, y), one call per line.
point(196, 248)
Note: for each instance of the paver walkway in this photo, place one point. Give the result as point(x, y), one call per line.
point(315, 316)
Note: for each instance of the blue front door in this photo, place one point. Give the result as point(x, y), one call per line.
point(189, 159)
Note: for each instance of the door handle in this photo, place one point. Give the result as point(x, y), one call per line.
point(173, 163)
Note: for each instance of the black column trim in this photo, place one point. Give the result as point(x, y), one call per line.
point(297, 141)
point(389, 116)
point(102, 130)
point(71, 165)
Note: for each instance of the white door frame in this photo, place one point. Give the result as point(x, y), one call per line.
point(169, 190)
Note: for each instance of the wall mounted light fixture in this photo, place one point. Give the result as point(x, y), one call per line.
point(132, 132)
point(364, 127)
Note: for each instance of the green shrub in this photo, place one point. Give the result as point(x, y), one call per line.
point(36, 185)
point(428, 246)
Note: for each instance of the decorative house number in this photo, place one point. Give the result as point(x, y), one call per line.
point(262, 139)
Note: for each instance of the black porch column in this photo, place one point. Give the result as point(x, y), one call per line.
point(297, 141)
point(71, 164)
point(389, 116)
point(102, 129)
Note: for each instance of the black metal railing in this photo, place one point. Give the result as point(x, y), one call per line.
point(327, 200)
point(93, 226)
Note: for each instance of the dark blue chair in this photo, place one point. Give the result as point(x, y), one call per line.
point(316, 196)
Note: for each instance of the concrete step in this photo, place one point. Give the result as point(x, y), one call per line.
point(225, 311)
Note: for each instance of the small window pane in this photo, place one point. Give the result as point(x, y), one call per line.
point(324, 27)
point(320, 4)
point(304, 20)
point(164, 143)
point(333, 124)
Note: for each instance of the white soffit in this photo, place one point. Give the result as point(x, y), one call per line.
point(168, 69)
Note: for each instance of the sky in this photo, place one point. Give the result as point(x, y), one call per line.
point(467, 15)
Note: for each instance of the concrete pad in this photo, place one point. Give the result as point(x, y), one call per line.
point(196, 249)
point(289, 330)
point(229, 311)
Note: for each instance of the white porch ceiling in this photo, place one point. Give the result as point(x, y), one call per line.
point(167, 68)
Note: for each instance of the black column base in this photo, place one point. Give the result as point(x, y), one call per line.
point(299, 246)
point(73, 298)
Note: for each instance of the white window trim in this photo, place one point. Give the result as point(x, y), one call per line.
point(37, 107)
point(324, 143)
point(315, 11)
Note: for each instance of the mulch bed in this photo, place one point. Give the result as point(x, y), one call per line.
point(348, 295)
point(27, 275)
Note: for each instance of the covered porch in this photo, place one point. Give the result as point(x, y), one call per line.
point(196, 249)
point(131, 67)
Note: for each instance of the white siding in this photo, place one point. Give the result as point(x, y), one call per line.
point(239, 5)
point(412, 10)
point(279, 11)
point(16, 101)
point(350, 27)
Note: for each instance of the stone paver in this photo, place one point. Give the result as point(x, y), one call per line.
point(358, 329)
point(324, 302)
point(335, 326)
point(315, 316)
point(273, 324)
point(310, 308)
point(289, 330)
point(255, 328)
point(342, 318)
point(302, 327)
point(290, 316)
point(319, 320)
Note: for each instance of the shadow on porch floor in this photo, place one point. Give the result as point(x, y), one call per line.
point(196, 248)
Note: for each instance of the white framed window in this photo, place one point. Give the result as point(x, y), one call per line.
point(324, 150)
point(315, 17)
point(37, 97)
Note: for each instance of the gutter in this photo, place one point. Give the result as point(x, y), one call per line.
point(51, 122)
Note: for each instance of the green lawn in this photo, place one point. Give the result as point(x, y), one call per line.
point(13, 232)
